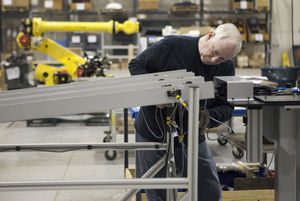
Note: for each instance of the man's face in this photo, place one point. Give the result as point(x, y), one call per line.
point(214, 51)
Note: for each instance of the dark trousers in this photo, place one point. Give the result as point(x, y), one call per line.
point(209, 188)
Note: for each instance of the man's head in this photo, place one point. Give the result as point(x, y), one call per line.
point(220, 45)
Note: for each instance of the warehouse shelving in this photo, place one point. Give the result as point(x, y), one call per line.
point(246, 14)
point(152, 20)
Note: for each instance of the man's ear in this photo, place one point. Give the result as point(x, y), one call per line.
point(210, 35)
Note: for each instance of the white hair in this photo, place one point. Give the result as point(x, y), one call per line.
point(230, 32)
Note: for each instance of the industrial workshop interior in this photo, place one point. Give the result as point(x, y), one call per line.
point(150, 100)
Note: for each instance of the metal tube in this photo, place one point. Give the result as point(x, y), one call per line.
point(95, 100)
point(193, 132)
point(96, 82)
point(85, 88)
point(149, 174)
point(83, 146)
point(154, 183)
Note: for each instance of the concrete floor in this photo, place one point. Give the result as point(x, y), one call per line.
point(73, 165)
point(76, 165)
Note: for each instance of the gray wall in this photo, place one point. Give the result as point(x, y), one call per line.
point(282, 29)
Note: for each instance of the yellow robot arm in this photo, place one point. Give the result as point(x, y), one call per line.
point(51, 75)
point(36, 26)
point(70, 60)
point(31, 38)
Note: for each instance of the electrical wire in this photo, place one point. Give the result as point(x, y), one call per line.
point(144, 118)
point(182, 158)
point(223, 136)
point(211, 139)
point(169, 139)
point(168, 150)
point(181, 132)
point(181, 116)
point(156, 119)
point(164, 126)
point(163, 131)
point(230, 131)
point(174, 111)
point(172, 116)
point(181, 101)
point(224, 124)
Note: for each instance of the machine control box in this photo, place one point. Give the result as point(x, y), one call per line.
point(233, 88)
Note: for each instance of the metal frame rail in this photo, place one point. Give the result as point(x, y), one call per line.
point(103, 94)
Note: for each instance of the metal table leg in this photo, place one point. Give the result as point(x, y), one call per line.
point(254, 135)
point(286, 159)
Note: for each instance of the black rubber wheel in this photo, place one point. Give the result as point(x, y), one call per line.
point(222, 141)
point(110, 155)
point(107, 139)
point(237, 152)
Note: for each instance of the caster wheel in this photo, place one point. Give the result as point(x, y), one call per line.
point(107, 139)
point(110, 155)
point(237, 152)
point(222, 141)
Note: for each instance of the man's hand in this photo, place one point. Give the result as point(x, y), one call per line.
point(203, 120)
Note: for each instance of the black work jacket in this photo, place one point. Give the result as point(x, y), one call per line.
point(174, 53)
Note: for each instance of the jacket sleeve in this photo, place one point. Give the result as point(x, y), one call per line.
point(148, 60)
point(221, 110)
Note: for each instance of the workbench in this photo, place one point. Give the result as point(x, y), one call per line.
point(278, 119)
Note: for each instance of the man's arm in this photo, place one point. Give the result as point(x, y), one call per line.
point(219, 109)
point(148, 60)
point(222, 111)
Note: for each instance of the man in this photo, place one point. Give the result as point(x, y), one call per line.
point(207, 56)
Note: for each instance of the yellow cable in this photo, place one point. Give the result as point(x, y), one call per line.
point(181, 101)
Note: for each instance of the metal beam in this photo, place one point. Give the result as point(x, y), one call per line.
point(193, 135)
point(82, 146)
point(99, 82)
point(89, 90)
point(95, 100)
point(149, 174)
point(98, 97)
point(154, 183)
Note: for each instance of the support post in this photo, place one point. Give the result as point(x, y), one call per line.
point(254, 135)
point(193, 136)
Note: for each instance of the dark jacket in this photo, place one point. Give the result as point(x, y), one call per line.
point(174, 53)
